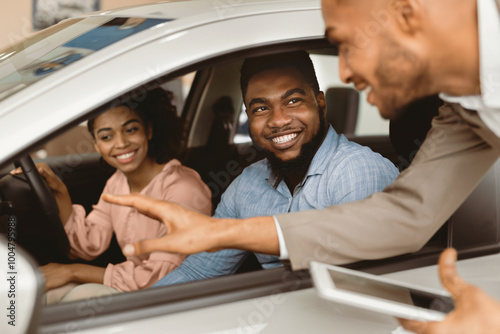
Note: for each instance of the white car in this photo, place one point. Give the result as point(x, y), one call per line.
point(51, 83)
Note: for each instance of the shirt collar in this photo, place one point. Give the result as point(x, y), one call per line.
point(318, 165)
point(489, 50)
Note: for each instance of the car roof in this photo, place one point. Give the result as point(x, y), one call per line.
point(192, 31)
point(207, 9)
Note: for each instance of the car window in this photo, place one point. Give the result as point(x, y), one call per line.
point(75, 141)
point(217, 165)
point(222, 82)
point(242, 134)
point(221, 95)
point(180, 87)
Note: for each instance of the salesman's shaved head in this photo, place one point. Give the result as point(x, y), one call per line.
point(402, 50)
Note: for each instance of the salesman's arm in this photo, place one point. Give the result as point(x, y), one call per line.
point(190, 232)
point(401, 219)
point(449, 165)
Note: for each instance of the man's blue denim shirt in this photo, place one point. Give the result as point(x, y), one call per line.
point(340, 172)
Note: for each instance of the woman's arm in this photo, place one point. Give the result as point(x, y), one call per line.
point(57, 275)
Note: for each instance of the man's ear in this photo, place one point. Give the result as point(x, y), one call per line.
point(321, 102)
point(407, 14)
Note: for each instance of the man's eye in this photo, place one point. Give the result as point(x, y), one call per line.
point(132, 130)
point(259, 110)
point(294, 100)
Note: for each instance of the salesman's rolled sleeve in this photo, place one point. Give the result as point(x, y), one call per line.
point(402, 218)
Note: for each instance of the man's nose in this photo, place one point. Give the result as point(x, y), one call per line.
point(345, 71)
point(279, 117)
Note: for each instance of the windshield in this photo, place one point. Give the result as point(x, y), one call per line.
point(61, 45)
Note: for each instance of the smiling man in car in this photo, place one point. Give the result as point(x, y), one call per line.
point(307, 166)
point(397, 50)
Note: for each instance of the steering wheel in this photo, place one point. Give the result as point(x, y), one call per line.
point(48, 203)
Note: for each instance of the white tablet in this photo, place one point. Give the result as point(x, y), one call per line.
point(379, 294)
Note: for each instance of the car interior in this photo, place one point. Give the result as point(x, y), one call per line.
point(217, 145)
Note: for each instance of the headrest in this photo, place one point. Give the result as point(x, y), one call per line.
point(342, 108)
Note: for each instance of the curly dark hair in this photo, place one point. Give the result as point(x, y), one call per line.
point(154, 106)
point(297, 59)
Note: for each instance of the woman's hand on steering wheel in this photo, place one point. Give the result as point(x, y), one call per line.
point(58, 188)
point(53, 181)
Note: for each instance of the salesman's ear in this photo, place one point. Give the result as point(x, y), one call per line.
point(407, 14)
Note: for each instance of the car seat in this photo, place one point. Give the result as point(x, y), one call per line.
point(342, 109)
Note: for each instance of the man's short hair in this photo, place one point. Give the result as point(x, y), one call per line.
point(298, 59)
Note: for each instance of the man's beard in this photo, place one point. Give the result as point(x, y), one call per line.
point(280, 169)
point(402, 77)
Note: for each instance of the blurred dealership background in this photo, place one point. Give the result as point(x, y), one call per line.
point(17, 16)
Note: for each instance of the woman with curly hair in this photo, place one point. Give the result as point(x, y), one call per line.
point(138, 134)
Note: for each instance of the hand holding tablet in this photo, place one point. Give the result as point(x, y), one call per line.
point(379, 294)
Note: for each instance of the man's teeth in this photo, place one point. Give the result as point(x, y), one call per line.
point(125, 156)
point(284, 139)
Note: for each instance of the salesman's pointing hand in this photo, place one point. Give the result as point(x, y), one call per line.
point(189, 232)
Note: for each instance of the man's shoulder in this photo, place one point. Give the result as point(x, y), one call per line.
point(352, 153)
point(347, 148)
point(352, 163)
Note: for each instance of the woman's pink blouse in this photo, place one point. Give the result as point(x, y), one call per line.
point(90, 236)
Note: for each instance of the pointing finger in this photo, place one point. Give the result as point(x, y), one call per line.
point(148, 206)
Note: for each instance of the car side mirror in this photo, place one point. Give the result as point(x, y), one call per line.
point(21, 286)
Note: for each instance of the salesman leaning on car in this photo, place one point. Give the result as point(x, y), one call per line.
point(398, 50)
